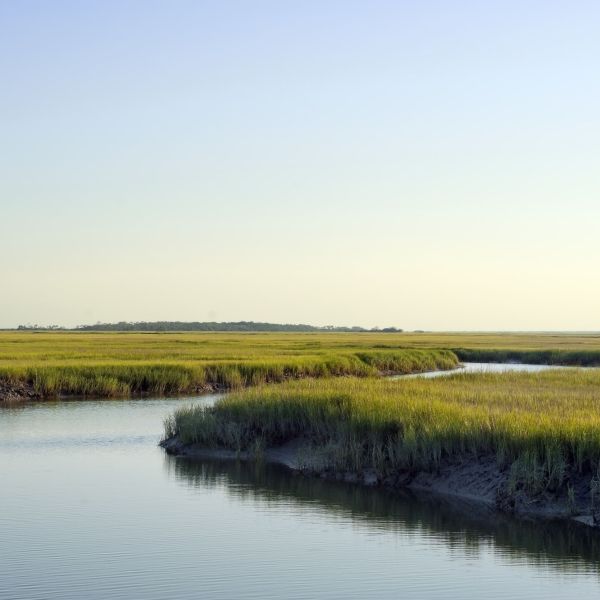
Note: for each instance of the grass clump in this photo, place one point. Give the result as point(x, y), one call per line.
point(540, 426)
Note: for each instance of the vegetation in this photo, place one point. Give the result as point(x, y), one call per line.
point(235, 326)
point(537, 348)
point(540, 425)
point(579, 358)
point(123, 364)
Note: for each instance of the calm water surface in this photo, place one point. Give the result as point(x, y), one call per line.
point(483, 367)
point(91, 508)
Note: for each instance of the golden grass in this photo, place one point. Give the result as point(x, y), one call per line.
point(119, 364)
point(115, 364)
point(540, 424)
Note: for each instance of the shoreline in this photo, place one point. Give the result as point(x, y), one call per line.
point(14, 391)
point(17, 391)
point(471, 480)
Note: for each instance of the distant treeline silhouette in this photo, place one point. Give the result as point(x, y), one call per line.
point(208, 326)
point(225, 326)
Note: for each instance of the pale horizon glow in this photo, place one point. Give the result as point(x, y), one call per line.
point(426, 165)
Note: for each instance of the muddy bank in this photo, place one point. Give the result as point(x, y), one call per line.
point(480, 481)
point(17, 391)
point(20, 391)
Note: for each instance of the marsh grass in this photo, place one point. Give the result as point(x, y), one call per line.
point(123, 364)
point(114, 365)
point(576, 358)
point(540, 426)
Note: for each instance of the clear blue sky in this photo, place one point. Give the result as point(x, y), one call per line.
point(421, 164)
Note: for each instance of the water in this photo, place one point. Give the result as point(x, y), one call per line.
point(91, 508)
point(471, 367)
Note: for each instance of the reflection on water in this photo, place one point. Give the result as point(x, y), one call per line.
point(455, 523)
point(486, 367)
point(91, 508)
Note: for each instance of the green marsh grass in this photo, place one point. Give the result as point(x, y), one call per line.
point(121, 364)
point(113, 365)
point(538, 425)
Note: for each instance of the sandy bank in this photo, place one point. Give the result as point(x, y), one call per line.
point(478, 481)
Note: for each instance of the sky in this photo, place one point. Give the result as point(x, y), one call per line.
point(425, 165)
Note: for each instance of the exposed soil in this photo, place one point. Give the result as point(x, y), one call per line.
point(478, 480)
point(17, 391)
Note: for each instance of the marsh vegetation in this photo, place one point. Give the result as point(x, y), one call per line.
point(109, 364)
point(541, 429)
point(113, 365)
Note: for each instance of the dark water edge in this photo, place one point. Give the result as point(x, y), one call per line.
point(555, 544)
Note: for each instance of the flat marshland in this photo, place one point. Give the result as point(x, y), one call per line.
point(115, 364)
point(540, 430)
point(121, 364)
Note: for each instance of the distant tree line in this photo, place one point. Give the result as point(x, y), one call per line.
point(225, 326)
point(202, 326)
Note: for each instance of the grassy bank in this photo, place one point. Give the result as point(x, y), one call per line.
point(541, 427)
point(574, 358)
point(120, 364)
point(112, 365)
